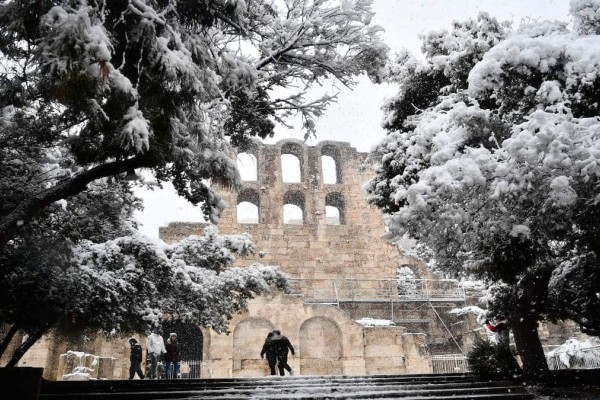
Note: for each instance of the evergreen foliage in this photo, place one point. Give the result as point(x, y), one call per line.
point(490, 362)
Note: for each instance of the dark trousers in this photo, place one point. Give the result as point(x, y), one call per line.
point(282, 364)
point(136, 367)
point(272, 362)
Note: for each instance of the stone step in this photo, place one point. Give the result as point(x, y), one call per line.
point(406, 387)
point(272, 380)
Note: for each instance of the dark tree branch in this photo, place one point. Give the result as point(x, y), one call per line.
point(26, 210)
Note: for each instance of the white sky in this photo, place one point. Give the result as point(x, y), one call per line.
point(356, 117)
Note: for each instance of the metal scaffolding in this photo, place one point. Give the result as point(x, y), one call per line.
point(336, 291)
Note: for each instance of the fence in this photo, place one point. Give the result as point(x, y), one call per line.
point(449, 363)
point(587, 358)
point(188, 369)
point(334, 291)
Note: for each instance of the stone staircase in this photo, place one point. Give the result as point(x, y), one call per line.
point(405, 387)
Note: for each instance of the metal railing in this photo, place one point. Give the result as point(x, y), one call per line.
point(588, 358)
point(334, 291)
point(449, 363)
point(188, 369)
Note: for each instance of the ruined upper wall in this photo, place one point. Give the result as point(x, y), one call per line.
point(314, 250)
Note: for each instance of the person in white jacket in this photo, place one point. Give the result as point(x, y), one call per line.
point(155, 344)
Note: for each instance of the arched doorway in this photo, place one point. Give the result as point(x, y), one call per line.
point(248, 339)
point(321, 348)
point(190, 339)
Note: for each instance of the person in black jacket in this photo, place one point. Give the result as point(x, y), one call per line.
point(280, 345)
point(266, 350)
point(136, 359)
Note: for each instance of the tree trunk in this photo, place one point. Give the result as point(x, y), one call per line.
point(7, 338)
point(530, 294)
point(529, 347)
point(23, 347)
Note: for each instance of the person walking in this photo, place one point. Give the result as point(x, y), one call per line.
point(268, 351)
point(172, 357)
point(135, 359)
point(500, 328)
point(280, 345)
point(155, 346)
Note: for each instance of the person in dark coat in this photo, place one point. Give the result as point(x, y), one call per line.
point(171, 357)
point(266, 350)
point(135, 359)
point(280, 345)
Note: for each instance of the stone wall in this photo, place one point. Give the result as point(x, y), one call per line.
point(315, 250)
point(326, 342)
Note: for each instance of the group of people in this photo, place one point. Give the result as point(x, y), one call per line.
point(157, 350)
point(276, 349)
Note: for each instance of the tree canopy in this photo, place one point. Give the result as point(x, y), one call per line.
point(110, 86)
point(495, 164)
point(91, 90)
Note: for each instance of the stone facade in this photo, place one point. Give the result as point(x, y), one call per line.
point(316, 255)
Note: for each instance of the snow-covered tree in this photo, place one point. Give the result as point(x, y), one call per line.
point(65, 274)
point(497, 169)
point(101, 88)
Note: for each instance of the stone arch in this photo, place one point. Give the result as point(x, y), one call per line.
point(247, 164)
point(292, 151)
point(294, 198)
point(333, 153)
point(321, 347)
point(245, 213)
point(248, 338)
point(335, 200)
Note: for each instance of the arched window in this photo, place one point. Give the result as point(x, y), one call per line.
point(329, 170)
point(335, 209)
point(248, 207)
point(293, 208)
point(248, 167)
point(291, 162)
point(247, 213)
point(292, 215)
point(290, 168)
point(332, 215)
point(330, 165)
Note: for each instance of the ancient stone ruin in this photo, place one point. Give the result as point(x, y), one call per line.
point(342, 268)
point(308, 215)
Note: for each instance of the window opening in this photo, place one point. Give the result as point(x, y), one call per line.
point(329, 170)
point(332, 215)
point(290, 168)
point(247, 213)
point(248, 167)
point(292, 215)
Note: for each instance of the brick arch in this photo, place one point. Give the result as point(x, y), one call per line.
point(248, 163)
point(321, 347)
point(337, 200)
point(297, 150)
point(248, 338)
point(332, 151)
point(251, 196)
point(298, 199)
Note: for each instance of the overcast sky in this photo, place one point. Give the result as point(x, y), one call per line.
point(356, 117)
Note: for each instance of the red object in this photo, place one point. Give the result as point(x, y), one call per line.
point(501, 326)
